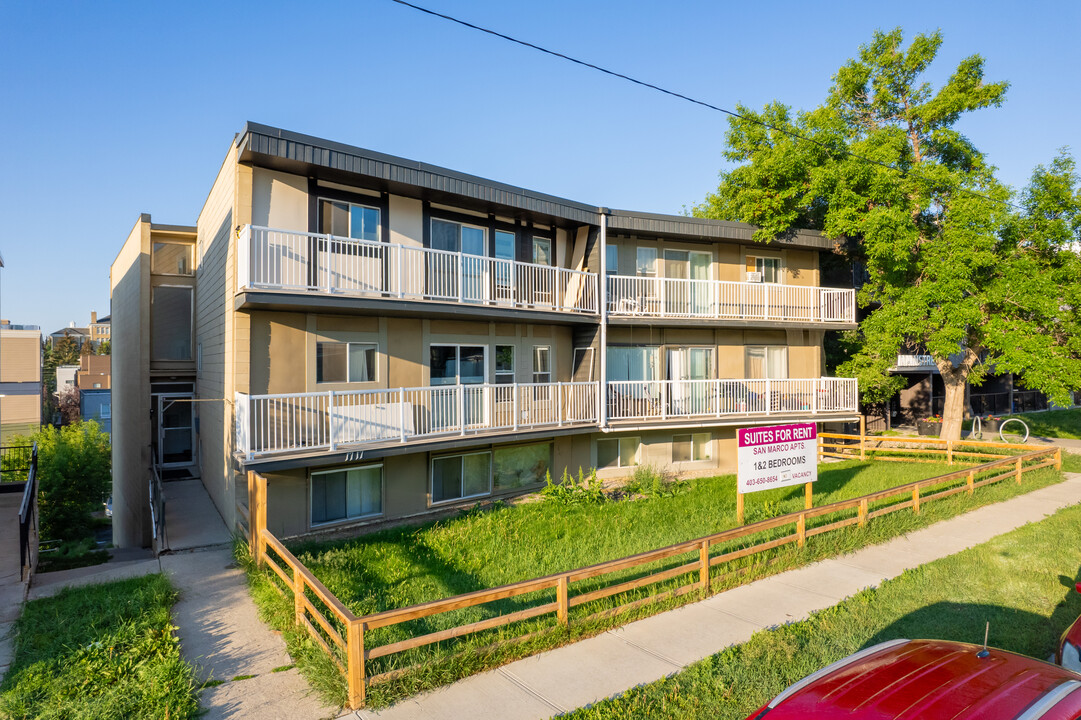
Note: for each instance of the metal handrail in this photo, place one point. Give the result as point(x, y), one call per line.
point(28, 519)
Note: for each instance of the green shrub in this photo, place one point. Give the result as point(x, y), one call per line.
point(570, 492)
point(651, 481)
point(74, 477)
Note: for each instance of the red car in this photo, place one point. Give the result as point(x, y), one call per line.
point(934, 680)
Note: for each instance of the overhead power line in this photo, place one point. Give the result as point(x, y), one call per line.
point(673, 93)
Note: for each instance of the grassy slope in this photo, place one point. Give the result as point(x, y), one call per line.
point(102, 651)
point(1053, 423)
point(1021, 582)
point(410, 565)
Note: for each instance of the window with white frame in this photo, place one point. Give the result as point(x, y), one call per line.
point(618, 452)
point(542, 367)
point(458, 237)
point(768, 267)
point(106, 411)
point(456, 477)
point(347, 494)
point(504, 364)
point(359, 222)
point(767, 361)
point(542, 251)
point(686, 448)
point(520, 466)
point(345, 362)
point(611, 259)
point(168, 258)
point(646, 262)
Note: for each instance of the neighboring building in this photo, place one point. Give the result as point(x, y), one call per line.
point(94, 373)
point(383, 339)
point(99, 329)
point(66, 376)
point(97, 405)
point(20, 379)
point(78, 334)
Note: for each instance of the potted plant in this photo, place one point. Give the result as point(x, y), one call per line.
point(990, 423)
point(930, 426)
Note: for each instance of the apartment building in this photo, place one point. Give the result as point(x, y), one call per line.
point(384, 339)
point(95, 333)
point(20, 379)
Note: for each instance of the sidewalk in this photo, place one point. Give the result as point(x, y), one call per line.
point(12, 589)
point(615, 661)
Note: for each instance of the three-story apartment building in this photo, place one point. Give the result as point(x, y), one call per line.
point(383, 339)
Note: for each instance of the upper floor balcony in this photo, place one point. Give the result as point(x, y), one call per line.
point(316, 264)
point(678, 298)
point(671, 400)
point(330, 421)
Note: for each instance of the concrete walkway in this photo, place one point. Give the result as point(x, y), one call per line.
point(615, 661)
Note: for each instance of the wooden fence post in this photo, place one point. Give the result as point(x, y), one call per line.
point(808, 496)
point(1017, 470)
point(863, 437)
point(801, 530)
point(863, 513)
point(562, 604)
point(949, 452)
point(355, 663)
point(1058, 458)
point(298, 595)
point(739, 507)
point(916, 499)
point(703, 568)
point(257, 515)
point(971, 482)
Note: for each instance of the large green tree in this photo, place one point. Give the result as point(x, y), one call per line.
point(955, 267)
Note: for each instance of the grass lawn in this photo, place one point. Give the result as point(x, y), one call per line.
point(101, 651)
point(1021, 582)
point(477, 550)
point(1053, 423)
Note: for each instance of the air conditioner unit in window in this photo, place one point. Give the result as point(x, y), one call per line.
point(754, 277)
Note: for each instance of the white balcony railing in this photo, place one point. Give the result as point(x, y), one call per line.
point(330, 420)
point(714, 299)
point(667, 399)
point(916, 361)
point(270, 259)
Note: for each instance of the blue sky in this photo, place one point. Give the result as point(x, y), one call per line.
point(112, 109)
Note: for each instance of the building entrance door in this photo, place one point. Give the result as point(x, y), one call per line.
point(176, 430)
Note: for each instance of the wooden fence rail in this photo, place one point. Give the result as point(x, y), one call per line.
point(342, 634)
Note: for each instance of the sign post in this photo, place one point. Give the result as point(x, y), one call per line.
point(776, 456)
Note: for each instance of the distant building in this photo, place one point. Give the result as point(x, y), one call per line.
point(99, 329)
point(66, 376)
point(20, 379)
point(96, 332)
point(94, 373)
point(97, 405)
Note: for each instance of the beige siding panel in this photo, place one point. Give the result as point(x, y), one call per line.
point(450, 328)
point(406, 221)
point(21, 409)
point(406, 354)
point(278, 362)
point(801, 267)
point(325, 323)
point(20, 358)
point(405, 484)
point(279, 200)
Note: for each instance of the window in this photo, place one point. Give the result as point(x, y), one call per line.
point(770, 267)
point(618, 452)
point(504, 364)
point(458, 237)
point(97, 385)
point(583, 365)
point(767, 361)
point(455, 477)
point(347, 494)
point(343, 219)
point(632, 363)
point(646, 261)
point(345, 362)
point(168, 258)
point(106, 411)
point(542, 369)
point(457, 364)
point(542, 251)
point(611, 259)
point(170, 323)
point(522, 466)
point(686, 448)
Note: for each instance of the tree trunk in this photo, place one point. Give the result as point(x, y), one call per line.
point(955, 379)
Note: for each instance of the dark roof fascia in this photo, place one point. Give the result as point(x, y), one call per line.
point(179, 229)
point(706, 229)
point(278, 149)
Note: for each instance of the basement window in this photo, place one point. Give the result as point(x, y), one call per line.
point(618, 452)
point(347, 494)
point(456, 477)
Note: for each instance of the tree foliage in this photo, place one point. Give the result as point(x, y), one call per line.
point(954, 268)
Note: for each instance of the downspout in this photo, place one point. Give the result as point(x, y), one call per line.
point(602, 299)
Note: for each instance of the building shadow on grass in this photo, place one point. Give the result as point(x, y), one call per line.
point(1018, 631)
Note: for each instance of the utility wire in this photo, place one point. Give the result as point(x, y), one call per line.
point(681, 96)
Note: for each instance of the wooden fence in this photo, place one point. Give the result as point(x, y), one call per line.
point(341, 633)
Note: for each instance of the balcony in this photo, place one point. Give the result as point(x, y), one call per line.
point(328, 265)
point(329, 421)
point(674, 298)
point(663, 400)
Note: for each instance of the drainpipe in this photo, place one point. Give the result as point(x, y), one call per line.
point(602, 396)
